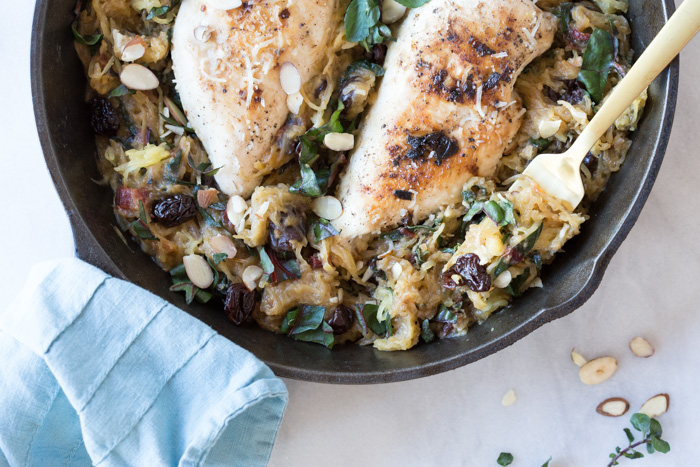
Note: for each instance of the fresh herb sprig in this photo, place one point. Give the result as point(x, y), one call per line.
point(651, 432)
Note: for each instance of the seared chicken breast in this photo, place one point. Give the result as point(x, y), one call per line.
point(227, 67)
point(445, 110)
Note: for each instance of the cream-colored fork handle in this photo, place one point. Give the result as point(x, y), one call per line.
point(681, 27)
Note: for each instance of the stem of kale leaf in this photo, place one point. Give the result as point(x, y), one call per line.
point(631, 446)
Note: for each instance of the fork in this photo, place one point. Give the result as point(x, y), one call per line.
point(559, 174)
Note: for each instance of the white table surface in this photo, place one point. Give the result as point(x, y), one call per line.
point(455, 418)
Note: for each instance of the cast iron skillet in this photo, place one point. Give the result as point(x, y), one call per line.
point(58, 87)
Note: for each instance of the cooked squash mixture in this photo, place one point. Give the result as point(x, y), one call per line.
point(338, 171)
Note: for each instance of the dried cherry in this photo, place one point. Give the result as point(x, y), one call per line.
point(473, 274)
point(341, 320)
point(174, 210)
point(103, 118)
point(239, 303)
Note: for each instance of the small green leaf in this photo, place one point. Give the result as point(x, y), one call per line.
point(494, 211)
point(120, 91)
point(508, 213)
point(540, 143)
point(505, 458)
point(630, 436)
point(598, 59)
point(308, 185)
point(641, 422)
point(563, 13)
point(516, 254)
point(546, 464)
point(633, 455)
point(515, 288)
point(85, 40)
point(660, 445)
point(426, 333)
point(322, 335)
point(310, 318)
point(266, 262)
point(655, 427)
point(218, 258)
point(322, 229)
point(289, 319)
point(445, 315)
point(650, 448)
point(207, 218)
point(368, 312)
point(360, 16)
point(412, 3)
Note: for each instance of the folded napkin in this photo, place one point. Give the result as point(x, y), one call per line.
point(98, 371)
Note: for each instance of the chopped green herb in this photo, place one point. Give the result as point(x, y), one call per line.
point(563, 13)
point(515, 288)
point(277, 270)
point(360, 18)
point(120, 91)
point(398, 234)
point(140, 225)
point(208, 218)
point(322, 229)
point(162, 10)
point(598, 60)
point(412, 3)
point(366, 315)
point(516, 254)
point(426, 333)
point(85, 40)
point(309, 184)
point(445, 315)
point(203, 168)
point(218, 258)
point(182, 283)
point(306, 323)
point(505, 458)
point(540, 143)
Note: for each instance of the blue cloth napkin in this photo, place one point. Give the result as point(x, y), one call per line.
point(95, 370)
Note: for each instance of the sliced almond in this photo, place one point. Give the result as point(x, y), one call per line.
point(134, 49)
point(203, 33)
point(339, 141)
point(396, 271)
point(327, 207)
point(294, 102)
point(251, 275)
point(235, 209)
point(206, 198)
point(198, 271)
point(135, 76)
point(656, 405)
point(392, 11)
point(598, 370)
point(223, 4)
point(503, 279)
point(509, 399)
point(549, 128)
point(641, 347)
point(290, 79)
point(577, 358)
point(613, 407)
point(223, 244)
